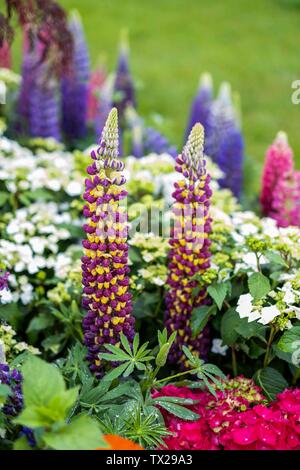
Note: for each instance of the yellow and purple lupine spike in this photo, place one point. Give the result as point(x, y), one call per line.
point(105, 268)
point(189, 254)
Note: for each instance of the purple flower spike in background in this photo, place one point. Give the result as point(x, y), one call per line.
point(44, 115)
point(136, 126)
point(225, 143)
point(155, 142)
point(75, 85)
point(124, 90)
point(105, 267)
point(230, 160)
point(201, 105)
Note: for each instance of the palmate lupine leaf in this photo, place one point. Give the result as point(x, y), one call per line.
point(208, 373)
point(145, 429)
point(131, 358)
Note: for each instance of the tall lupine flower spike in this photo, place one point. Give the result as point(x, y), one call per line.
point(226, 143)
point(105, 261)
point(124, 89)
point(75, 84)
point(201, 105)
point(44, 115)
point(280, 184)
point(189, 254)
point(230, 159)
point(136, 126)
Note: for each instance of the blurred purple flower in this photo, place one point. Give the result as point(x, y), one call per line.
point(75, 84)
point(124, 90)
point(201, 106)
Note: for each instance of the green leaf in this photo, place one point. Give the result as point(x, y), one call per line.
point(41, 382)
point(259, 285)
point(4, 392)
point(290, 340)
point(125, 343)
point(177, 410)
point(34, 417)
point(229, 322)
point(22, 444)
point(275, 258)
point(218, 293)
point(271, 381)
point(113, 374)
point(200, 317)
point(213, 369)
point(40, 322)
point(82, 433)
point(3, 197)
point(251, 329)
point(93, 396)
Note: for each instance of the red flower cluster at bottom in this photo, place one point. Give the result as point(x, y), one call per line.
point(237, 419)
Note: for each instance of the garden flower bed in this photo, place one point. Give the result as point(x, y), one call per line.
point(142, 304)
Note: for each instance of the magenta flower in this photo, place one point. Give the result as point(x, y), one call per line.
point(105, 268)
point(5, 55)
point(280, 194)
point(189, 254)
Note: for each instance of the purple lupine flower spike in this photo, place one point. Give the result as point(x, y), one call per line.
point(230, 160)
point(105, 268)
point(136, 126)
point(157, 143)
point(189, 254)
point(221, 121)
point(44, 115)
point(75, 84)
point(201, 105)
point(124, 90)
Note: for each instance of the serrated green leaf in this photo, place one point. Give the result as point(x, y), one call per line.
point(218, 293)
point(271, 381)
point(259, 285)
point(230, 320)
point(290, 340)
point(251, 329)
point(200, 317)
point(275, 258)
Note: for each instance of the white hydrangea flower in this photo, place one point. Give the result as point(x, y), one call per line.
point(218, 347)
point(268, 314)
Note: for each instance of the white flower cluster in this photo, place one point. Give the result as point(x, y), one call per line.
point(31, 245)
point(264, 315)
point(21, 170)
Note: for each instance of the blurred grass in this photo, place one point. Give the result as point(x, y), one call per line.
point(254, 44)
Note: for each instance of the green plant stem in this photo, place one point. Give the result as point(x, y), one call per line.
point(175, 376)
point(296, 376)
point(269, 345)
point(234, 361)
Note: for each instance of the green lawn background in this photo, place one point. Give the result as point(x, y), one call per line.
point(253, 44)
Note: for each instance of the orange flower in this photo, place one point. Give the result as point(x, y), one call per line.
point(119, 443)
